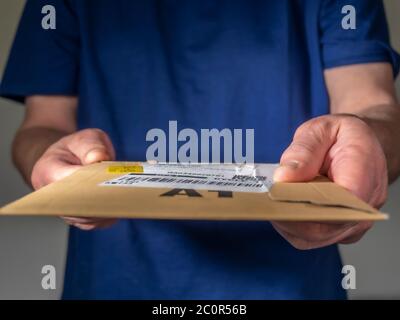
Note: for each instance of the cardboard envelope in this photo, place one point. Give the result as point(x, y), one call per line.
point(105, 190)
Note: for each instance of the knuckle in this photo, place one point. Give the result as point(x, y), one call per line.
point(359, 187)
point(63, 141)
point(301, 147)
point(353, 121)
point(316, 128)
point(355, 148)
point(311, 135)
point(95, 132)
point(90, 134)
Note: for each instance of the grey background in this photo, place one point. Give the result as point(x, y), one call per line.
point(26, 244)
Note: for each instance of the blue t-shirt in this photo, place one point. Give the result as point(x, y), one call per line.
point(207, 64)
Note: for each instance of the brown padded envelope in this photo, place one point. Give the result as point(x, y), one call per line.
point(80, 195)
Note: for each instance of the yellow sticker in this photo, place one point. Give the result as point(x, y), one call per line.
point(125, 169)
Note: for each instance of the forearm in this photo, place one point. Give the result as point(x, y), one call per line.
point(385, 122)
point(28, 146)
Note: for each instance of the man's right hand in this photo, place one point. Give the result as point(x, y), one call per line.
point(66, 156)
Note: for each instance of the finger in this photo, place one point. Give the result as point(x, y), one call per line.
point(354, 238)
point(358, 233)
point(90, 146)
point(313, 231)
point(85, 227)
point(86, 220)
point(357, 162)
point(351, 234)
point(89, 223)
point(82, 220)
point(303, 159)
point(95, 225)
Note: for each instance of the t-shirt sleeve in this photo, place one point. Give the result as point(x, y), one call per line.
point(367, 42)
point(43, 61)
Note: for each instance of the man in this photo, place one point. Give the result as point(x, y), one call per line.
point(112, 70)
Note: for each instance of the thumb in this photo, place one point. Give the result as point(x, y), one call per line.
point(91, 145)
point(305, 156)
point(96, 154)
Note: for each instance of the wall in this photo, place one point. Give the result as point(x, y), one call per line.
point(377, 257)
point(26, 244)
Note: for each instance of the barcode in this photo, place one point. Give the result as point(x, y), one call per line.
point(131, 180)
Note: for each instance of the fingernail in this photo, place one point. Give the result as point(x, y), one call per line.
point(95, 155)
point(291, 164)
point(281, 172)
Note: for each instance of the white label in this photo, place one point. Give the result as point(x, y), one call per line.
point(218, 177)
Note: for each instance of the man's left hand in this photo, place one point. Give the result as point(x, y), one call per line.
point(344, 148)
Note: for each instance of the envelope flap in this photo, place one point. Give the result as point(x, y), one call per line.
point(320, 191)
